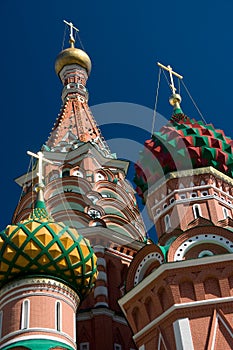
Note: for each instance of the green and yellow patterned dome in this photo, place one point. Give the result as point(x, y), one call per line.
point(39, 246)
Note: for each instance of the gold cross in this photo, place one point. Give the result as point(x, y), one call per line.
point(171, 73)
point(72, 27)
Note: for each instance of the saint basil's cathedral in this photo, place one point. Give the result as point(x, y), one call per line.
point(77, 270)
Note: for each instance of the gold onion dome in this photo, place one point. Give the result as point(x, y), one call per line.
point(40, 247)
point(72, 55)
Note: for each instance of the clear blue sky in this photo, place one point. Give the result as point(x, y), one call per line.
point(124, 40)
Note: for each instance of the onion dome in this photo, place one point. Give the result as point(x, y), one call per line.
point(73, 55)
point(183, 144)
point(39, 246)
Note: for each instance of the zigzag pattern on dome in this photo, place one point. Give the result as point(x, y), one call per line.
point(182, 144)
point(39, 246)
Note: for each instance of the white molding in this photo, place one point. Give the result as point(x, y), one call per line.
point(172, 266)
point(180, 307)
point(9, 298)
point(17, 337)
point(100, 290)
point(30, 284)
point(183, 336)
point(102, 276)
point(84, 316)
point(187, 245)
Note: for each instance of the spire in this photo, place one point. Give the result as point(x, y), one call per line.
point(175, 98)
point(75, 124)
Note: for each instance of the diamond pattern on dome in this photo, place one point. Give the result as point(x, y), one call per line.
point(42, 247)
point(22, 261)
point(74, 256)
point(19, 238)
point(32, 249)
point(8, 253)
point(54, 250)
point(180, 139)
point(66, 240)
point(44, 237)
point(4, 267)
point(62, 263)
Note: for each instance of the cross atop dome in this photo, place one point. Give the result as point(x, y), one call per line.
point(41, 158)
point(72, 28)
point(175, 98)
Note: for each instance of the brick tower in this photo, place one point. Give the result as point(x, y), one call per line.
point(46, 269)
point(85, 188)
point(180, 291)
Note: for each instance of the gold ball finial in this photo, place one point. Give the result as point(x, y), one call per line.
point(72, 55)
point(175, 99)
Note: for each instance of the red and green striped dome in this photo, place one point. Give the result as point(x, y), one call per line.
point(39, 246)
point(183, 144)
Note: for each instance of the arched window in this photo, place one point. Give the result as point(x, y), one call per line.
point(25, 314)
point(58, 318)
point(167, 222)
point(196, 211)
point(205, 253)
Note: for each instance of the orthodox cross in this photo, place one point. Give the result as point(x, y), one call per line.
point(41, 159)
point(171, 73)
point(72, 27)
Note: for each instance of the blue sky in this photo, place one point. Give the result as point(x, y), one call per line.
point(124, 39)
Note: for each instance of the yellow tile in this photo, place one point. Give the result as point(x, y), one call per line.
point(44, 236)
point(19, 238)
point(74, 256)
point(21, 261)
point(66, 240)
point(32, 249)
point(44, 259)
point(55, 251)
point(9, 253)
point(62, 263)
point(3, 267)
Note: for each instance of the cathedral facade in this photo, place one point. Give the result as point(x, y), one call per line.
point(77, 270)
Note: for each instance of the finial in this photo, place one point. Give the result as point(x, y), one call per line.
point(40, 185)
point(175, 98)
point(40, 212)
point(72, 27)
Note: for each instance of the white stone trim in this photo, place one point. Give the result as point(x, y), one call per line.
point(99, 249)
point(147, 260)
point(84, 316)
point(172, 266)
point(17, 337)
point(9, 298)
point(180, 307)
point(48, 284)
point(102, 276)
point(100, 290)
point(200, 239)
point(101, 303)
point(183, 336)
point(101, 262)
